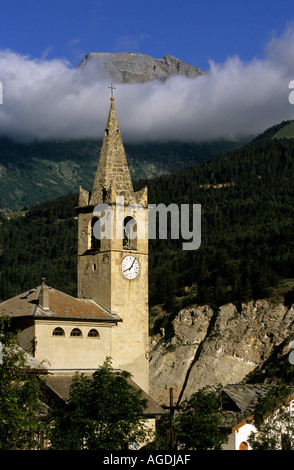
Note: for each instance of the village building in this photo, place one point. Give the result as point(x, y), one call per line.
point(240, 401)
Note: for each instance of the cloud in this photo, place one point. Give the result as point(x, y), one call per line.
point(49, 99)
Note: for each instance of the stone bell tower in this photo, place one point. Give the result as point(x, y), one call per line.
point(113, 253)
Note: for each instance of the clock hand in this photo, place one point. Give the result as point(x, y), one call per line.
point(129, 267)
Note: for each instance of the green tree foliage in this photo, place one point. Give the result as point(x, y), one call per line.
point(164, 438)
point(197, 423)
point(104, 412)
point(22, 413)
point(42, 243)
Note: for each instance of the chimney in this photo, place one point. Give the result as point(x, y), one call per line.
point(44, 296)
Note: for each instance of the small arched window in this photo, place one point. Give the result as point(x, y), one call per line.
point(93, 333)
point(76, 332)
point(58, 332)
point(130, 233)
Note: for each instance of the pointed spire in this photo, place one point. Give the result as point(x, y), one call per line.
point(112, 176)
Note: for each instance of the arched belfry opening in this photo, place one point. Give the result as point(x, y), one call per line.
point(130, 233)
point(94, 234)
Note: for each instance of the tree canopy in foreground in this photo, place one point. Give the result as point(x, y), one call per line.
point(104, 411)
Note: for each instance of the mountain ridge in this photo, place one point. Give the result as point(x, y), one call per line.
point(31, 173)
point(130, 67)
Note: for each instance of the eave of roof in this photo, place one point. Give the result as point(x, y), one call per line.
point(61, 306)
point(246, 398)
point(59, 385)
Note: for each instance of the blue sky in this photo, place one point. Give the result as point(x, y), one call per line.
point(245, 46)
point(192, 30)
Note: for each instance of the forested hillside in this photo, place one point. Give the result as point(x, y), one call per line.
point(39, 243)
point(34, 172)
point(247, 226)
point(247, 248)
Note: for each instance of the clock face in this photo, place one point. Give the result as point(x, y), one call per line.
point(130, 267)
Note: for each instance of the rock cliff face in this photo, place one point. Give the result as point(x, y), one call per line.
point(128, 67)
point(210, 347)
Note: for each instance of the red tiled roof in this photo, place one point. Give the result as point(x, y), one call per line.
point(61, 306)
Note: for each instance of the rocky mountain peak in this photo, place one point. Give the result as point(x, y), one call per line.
point(129, 67)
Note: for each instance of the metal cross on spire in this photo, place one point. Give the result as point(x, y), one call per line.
point(112, 88)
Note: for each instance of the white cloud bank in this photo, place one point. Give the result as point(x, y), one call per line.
point(48, 99)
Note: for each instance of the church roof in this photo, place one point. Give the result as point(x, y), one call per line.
point(59, 385)
point(46, 302)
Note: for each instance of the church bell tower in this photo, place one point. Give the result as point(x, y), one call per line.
point(113, 253)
